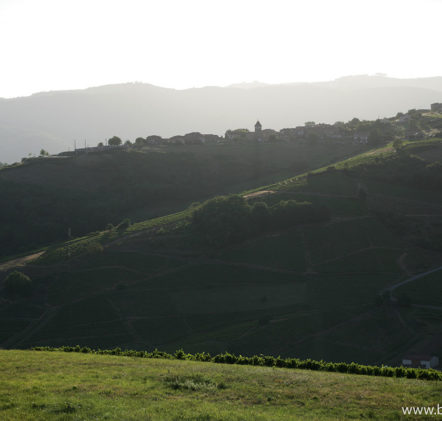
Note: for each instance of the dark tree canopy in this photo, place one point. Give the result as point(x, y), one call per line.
point(230, 219)
point(17, 283)
point(114, 141)
point(222, 220)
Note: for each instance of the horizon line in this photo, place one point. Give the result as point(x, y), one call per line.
point(230, 85)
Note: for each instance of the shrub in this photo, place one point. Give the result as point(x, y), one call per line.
point(223, 220)
point(124, 224)
point(196, 382)
point(260, 216)
point(262, 360)
point(17, 283)
point(227, 220)
point(180, 355)
point(93, 247)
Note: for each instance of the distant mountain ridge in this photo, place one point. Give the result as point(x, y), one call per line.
point(53, 120)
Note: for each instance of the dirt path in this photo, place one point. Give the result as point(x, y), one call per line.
point(19, 262)
point(391, 288)
point(427, 306)
point(258, 194)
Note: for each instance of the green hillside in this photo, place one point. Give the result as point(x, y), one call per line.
point(291, 287)
point(45, 197)
point(68, 386)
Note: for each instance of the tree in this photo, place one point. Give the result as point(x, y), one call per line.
point(398, 145)
point(222, 220)
point(17, 283)
point(260, 216)
point(44, 153)
point(139, 141)
point(375, 137)
point(290, 212)
point(100, 144)
point(124, 224)
point(128, 142)
point(114, 141)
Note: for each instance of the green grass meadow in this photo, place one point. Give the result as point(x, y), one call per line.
point(75, 386)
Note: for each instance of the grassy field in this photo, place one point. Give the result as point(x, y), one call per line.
point(75, 386)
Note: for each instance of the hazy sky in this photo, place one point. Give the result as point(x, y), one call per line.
point(66, 44)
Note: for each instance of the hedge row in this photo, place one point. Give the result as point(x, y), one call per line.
point(263, 361)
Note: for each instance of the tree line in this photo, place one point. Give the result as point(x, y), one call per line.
point(231, 219)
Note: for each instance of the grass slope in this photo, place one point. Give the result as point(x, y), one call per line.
point(61, 386)
point(311, 291)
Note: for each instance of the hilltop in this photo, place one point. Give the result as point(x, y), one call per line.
point(53, 120)
point(49, 198)
point(48, 385)
point(329, 287)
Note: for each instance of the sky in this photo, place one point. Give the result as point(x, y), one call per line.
point(70, 44)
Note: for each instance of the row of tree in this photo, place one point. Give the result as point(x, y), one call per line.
point(228, 220)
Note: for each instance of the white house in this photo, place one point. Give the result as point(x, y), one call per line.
point(423, 361)
point(361, 137)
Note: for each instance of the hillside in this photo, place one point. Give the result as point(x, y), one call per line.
point(48, 385)
point(50, 198)
point(43, 198)
point(53, 120)
point(330, 288)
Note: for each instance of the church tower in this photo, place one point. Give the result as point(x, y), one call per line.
point(258, 128)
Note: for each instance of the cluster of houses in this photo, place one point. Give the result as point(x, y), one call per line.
point(338, 132)
point(308, 132)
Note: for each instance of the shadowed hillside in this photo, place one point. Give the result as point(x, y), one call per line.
point(44, 198)
point(278, 282)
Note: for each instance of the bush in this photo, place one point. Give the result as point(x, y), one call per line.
point(260, 216)
point(230, 219)
point(93, 247)
point(223, 220)
point(262, 360)
point(124, 224)
point(17, 283)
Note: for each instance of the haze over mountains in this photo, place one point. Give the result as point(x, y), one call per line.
point(53, 120)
